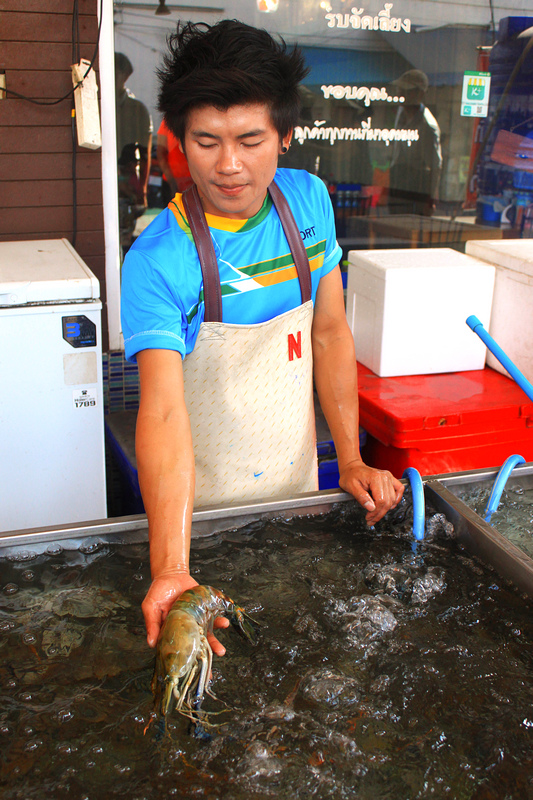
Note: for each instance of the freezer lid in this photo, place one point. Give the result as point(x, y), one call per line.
point(44, 271)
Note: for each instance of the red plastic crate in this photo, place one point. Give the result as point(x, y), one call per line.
point(443, 423)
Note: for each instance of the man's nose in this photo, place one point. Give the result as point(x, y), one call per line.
point(229, 160)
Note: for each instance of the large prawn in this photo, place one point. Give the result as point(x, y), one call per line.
point(184, 656)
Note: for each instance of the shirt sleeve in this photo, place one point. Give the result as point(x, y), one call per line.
point(151, 315)
point(333, 254)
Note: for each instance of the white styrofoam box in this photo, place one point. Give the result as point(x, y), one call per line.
point(407, 309)
point(511, 322)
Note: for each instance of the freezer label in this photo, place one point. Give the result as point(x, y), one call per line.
point(79, 331)
point(84, 398)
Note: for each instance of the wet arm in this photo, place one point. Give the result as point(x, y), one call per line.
point(335, 373)
point(165, 459)
point(165, 464)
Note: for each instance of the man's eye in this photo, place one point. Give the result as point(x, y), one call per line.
point(252, 144)
point(205, 146)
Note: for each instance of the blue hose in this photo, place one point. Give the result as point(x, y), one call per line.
point(499, 484)
point(419, 506)
point(474, 323)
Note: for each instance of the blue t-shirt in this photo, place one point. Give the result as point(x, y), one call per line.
point(162, 291)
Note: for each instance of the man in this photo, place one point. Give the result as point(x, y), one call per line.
point(134, 124)
point(173, 164)
point(416, 166)
point(226, 384)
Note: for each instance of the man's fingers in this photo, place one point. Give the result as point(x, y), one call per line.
point(376, 490)
point(152, 633)
point(217, 648)
point(362, 497)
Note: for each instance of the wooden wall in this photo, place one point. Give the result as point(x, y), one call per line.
point(36, 146)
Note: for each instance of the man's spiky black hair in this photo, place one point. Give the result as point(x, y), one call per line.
point(229, 64)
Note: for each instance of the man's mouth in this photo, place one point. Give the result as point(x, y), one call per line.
point(230, 190)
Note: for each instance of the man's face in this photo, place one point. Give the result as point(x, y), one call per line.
point(232, 156)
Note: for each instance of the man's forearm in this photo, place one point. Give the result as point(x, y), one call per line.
point(335, 372)
point(165, 464)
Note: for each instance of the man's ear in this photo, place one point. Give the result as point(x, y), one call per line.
point(285, 143)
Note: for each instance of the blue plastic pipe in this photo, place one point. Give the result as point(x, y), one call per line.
point(474, 323)
point(499, 484)
point(419, 505)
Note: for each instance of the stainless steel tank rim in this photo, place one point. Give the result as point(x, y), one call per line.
point(309, 502)
point(475, 475)
point(482, 539)
point(471, 530)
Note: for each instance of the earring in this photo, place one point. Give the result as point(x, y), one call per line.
point(284, 149)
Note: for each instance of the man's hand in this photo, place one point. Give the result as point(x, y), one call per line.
point(376, 490)
point(161, 596)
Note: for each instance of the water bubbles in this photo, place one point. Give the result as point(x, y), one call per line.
point(427, 586)
point(66, 749)
point(90, 546)
point(327, 686)
point(438, 523)
point(64, 715)
point(54, 549)
point(32, 745)
point(29, 638)
point(21, 555)
point(393, 579)
point(260, 761)
point(6, 625)
point(11, 588)
point(137, 577)
point(365, 619)
point(28, 575)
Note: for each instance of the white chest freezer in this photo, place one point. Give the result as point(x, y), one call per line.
point(52, 459)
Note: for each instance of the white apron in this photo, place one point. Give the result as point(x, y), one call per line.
point(249, 394)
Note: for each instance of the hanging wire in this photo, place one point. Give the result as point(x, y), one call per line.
point(73, 128)
point(492, 21)
point(76, 59)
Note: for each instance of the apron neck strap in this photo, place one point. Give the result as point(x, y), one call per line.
point(299, 253)
point(206, 252)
